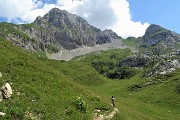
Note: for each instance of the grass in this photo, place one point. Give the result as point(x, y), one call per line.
point(158, 100)
point(106, 62)
point(132, 42)
point(8, 28)
point(45, 88)
point(49, 89)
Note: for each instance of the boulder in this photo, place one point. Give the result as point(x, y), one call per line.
point(6, 91)
point(0, 74)
point(134, 61)
point(1, 97)
point(165, 67)
point(2, 114)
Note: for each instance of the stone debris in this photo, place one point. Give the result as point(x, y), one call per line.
point(2, 114)
point(0, 74)
point(106, 117)
point(1, 97)
point(6, 91)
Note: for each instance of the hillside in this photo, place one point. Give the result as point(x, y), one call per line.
point(142, 73)
point(138, 96)
point(46, 88)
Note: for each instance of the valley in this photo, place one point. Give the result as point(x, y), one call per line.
point(60, 67)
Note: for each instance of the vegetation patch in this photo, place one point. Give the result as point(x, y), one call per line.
point(51, 48)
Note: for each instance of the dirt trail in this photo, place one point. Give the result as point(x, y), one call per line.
point(106, 117)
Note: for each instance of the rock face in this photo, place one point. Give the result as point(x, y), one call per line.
point(161, 39)
point(165, 67)
point(134, 61)
point(1, 97)
point(70, 30)
point(56, 30)
point(111, 34)
point(155, 34)
point(2, 114)
point(0, 74)
point(6, 91)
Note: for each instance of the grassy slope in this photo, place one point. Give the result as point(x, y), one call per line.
point(47, 88)
point(132, 42)
point(157, 101)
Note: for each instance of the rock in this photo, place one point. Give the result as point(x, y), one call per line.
point(161, 39)
point(134, 61)
point(69, 30)
point(168, 67)
point(1, 97)
point(2, 114)
point(6, 91)
point(165, 67)
point(111, 34)
point(57, 30)
point(0, 74)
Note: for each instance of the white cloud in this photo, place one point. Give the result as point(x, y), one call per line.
point(14, 8)
point(30, 16)
point(111, 14)
point(125, 26)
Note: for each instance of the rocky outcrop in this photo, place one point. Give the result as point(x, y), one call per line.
point(6, 91)
point(165, 67)
point(1, 96)
point(134, 61)
point(111, 34)
point(2, 114)
point(161, 39)
point(155, 34)
point(0, 74)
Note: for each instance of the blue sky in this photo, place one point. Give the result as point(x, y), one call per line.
point(125, 17)
point(162, 12)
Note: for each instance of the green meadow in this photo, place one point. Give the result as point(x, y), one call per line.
point(60, 90)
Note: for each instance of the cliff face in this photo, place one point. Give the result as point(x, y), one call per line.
point(156, 34)
point(58, 29)
point(161, 40)
point(69, 30)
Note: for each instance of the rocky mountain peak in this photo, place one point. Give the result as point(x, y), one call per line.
point(59, 17)
point(156, 34)
point(162, 40)
point(71, 31)
point(153, 28)
point(57, 30)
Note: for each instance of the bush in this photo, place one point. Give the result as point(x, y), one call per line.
point(121, 73)
point(52, 48)
point(80, 104)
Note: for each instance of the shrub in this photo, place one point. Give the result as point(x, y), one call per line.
point(80, 104)
point(121, 73)
point(51, 48)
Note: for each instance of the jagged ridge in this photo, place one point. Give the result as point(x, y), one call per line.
point(58, 29)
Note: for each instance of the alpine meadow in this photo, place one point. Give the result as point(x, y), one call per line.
point(60, 67)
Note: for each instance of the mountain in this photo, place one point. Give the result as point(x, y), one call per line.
point(56, 30)
point(144, 86)
point(161, 39)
